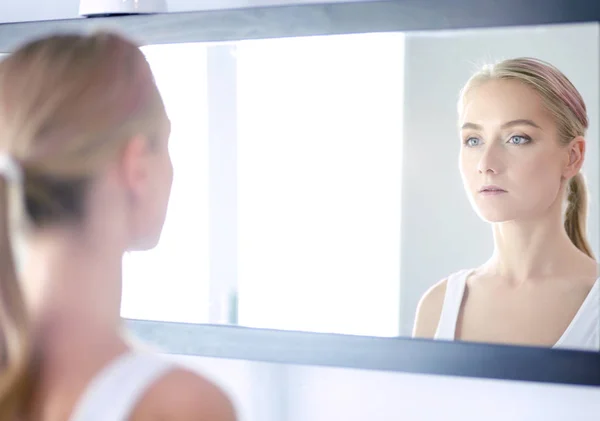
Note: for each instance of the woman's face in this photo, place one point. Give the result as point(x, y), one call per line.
point(161, 181)
point(151, 190)
point(511, 161)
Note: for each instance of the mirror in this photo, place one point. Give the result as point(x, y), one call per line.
point(316, 179)
point(317, 185)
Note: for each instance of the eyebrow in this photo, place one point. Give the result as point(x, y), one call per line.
point(519, 122)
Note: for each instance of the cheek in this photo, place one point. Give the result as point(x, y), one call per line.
point(541, 170)
point(166, 182)
point(467, 166)
point(540, 179)
point(161, 191)
point(168, 175)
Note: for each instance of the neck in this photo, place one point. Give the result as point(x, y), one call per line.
point(73, 288)
point(530, 250)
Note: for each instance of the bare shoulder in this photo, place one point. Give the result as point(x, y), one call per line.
point(429, 311)
point(182, 395)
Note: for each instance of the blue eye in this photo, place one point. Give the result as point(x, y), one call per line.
point(519, 140)
point(472, 141)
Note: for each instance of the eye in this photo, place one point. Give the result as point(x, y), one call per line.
point(519, 140)
point(472, 141)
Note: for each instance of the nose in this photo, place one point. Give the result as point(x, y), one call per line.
point(490, 160)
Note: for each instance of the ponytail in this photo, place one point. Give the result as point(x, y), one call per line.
point(576, 214)
point(15, 339)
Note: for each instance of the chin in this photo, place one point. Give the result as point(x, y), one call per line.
point(145, 243)
point(494, 219)
point(495, 215)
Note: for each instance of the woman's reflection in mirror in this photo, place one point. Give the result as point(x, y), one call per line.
point(522, 127)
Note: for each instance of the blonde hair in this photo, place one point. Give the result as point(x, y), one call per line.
point(565, 103)
point(68, 105)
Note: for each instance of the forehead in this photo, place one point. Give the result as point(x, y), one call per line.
point(499, 101)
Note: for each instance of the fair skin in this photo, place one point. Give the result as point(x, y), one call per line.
point(73, 288)
point(530, 289)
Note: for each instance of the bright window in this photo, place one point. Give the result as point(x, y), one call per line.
point(311, 240)
point(320, 159)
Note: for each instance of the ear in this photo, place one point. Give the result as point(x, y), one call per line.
point(576, 151)
point(135, 167)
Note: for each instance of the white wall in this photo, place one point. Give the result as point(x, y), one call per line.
point(325, 393)
point(29, 10)
point(281, 392)
point(441, 233)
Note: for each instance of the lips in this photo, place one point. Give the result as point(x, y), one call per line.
point(491, 189)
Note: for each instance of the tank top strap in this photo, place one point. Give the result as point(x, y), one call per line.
point(584, 330)
point(115, 391)
point(455, 290)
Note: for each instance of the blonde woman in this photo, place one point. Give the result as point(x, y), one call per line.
point(522, 127)
point(85, 175)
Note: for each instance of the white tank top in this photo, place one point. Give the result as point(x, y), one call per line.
point(582, 334)
point(114, 392)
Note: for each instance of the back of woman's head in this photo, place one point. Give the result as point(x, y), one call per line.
point(68, 106)
point(566, 105)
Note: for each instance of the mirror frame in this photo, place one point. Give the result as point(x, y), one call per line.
point(315, 19)
point(372, 353)
point(401, 354)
